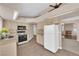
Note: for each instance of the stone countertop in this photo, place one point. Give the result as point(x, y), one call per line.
point(7, 41)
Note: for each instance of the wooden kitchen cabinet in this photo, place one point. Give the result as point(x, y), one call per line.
point(8, 48)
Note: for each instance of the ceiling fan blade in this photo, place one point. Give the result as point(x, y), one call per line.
point(59, 4)
point(51, 6)
point(55, 7)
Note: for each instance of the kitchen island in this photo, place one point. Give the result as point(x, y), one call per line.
point(8, 47)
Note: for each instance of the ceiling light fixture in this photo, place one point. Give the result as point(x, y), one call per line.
point(15, 15)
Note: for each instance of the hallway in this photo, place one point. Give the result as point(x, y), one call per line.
point(33, 49)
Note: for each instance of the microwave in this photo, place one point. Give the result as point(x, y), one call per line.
point(21, 28)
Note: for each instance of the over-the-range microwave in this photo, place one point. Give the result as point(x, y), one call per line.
point(21, 27)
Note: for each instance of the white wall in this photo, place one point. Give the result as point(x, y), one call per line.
point(69, 27)
point(26, 20)
point(30, 32)
point(77, 27)
point(34, 29)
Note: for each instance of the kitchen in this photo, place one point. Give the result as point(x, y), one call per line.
point(20, 24)
point(20, 29)
point(19, 32)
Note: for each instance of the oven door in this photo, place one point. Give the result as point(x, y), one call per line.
point(22, 38)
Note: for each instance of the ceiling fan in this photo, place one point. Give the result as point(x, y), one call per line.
point(57, 5)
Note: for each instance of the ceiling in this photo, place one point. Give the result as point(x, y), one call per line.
point(29, 10)
point(68, 15)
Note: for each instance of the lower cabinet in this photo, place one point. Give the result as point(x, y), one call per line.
point(8, 49)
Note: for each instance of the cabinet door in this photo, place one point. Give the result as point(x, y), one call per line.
point(8, 50)
point(1, 23)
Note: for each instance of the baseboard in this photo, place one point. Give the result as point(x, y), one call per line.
point(39, 44)
point(60, 47)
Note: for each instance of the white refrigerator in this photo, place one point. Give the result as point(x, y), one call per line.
point(52, 37)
